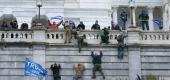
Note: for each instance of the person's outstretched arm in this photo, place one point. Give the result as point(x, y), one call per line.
point(59, 23)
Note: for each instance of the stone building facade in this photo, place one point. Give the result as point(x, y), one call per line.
point(146, 52)
point(88, 10)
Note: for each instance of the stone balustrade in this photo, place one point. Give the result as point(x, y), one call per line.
point(16, 36)
point(154, 38)
point(55, 36)
point(138, 2)
point(92, 37)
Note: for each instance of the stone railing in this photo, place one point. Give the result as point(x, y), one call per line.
point(16, 36)
point(55, 36)
point(138, 2)
point(92, 37)
point(155, 38)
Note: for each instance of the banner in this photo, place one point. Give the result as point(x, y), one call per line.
point(57, 17)
point(34, 69)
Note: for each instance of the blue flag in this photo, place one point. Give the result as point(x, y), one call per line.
point(57, 17)
point(158, 22)
point(34, 69)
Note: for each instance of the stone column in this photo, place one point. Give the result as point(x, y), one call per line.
point(134, 63)
point(134, 16)
point(134, 54)
point(115, 15)
point(39, 56)
point(150, 13)
point(168, 27)
point(39, 49)
point(165, 18)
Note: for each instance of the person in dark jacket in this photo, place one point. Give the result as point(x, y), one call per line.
point(4, 25)
point(97, 61)
point(14, 24)
point(120, 46)
point(123, 18)
point(95, 26)
point(56, 71)
point(104, 33)
point(24, 26)
point(144, 19)
point(81, 26)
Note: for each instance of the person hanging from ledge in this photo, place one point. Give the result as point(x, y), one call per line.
point(97, 61)
point(79, 71)
point(56, 71)
point(95, 26)
point(120, 46)
point(67, 32)
point(80, 39)
point(143, 17)
point(104, 33)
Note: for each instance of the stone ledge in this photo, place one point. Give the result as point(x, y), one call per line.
point(29, 44)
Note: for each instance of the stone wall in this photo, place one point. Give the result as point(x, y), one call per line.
point(146, 53)
point(12, 62)
point(154, 61)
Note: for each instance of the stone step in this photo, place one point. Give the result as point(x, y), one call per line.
point(90, 65)
point(65, 72)
point(83, 59)
point(145, 66)
point(97, 78)
point(82, 53)
point(13, 65)
point(156, 72)
point(63, 78)
point(153, 59)
point(155, 54)
point(66, 59)
point(155, 66)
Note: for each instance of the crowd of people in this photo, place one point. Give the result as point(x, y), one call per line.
point(72, 29)
point(13, 24)
point(80, 68)
point(120, 25)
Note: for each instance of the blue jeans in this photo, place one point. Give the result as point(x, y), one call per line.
point(120, 51)
point(123, 25)
point(145, 23)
